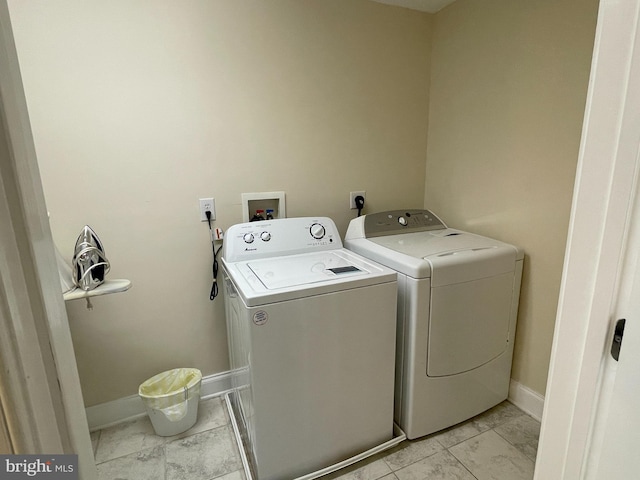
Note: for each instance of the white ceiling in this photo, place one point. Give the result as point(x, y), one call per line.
point(431, 6)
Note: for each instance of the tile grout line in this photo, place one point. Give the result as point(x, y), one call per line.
point(513, 445)
point(164, 459)
point(416, 461)
point(460, 461)
point(95, 450)
point(448, 449)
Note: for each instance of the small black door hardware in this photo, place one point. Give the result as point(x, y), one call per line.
point(617, 339)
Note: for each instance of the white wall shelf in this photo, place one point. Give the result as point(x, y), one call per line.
point(106, 288)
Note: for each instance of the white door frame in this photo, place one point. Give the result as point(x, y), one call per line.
point(39, 385)
point(604, 190)
point(32, 313)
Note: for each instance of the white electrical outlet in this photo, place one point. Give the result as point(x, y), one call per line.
point(352, 198)
point(207, 205)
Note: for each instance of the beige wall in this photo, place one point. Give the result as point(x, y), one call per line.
point(139, 108)
point(508, 87)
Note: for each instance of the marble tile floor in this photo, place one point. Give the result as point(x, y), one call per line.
point(499, 444)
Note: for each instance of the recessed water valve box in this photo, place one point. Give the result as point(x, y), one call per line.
point(263, 204)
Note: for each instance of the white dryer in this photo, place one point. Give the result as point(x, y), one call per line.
point(457, 307)
point(311, 330)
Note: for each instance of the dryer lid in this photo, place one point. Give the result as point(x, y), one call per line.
point(424, 244)
point(418, 254)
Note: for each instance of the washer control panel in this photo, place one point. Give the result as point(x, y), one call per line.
point(317, 231)
point(401, 221)
point(280, 237)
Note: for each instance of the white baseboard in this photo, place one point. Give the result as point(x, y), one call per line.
point(526, 399)
point(127, 408)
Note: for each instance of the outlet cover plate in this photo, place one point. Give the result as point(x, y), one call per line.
point(207, 204)
point(352, 198)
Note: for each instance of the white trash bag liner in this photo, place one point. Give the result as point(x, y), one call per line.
point(171, 399)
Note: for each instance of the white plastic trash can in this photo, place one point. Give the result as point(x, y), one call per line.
point(171, 399)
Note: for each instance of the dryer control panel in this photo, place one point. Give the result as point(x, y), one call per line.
point(401, 221)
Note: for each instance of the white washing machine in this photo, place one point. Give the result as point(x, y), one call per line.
point(457, 307)
point(312, 329)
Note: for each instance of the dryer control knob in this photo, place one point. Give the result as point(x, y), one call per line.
point(317, 231)
point(402, 221)
point(265, 236)
point(248, 237)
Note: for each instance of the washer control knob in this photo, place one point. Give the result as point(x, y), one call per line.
point(248, 237)
point(265, 236)
point(317, 231)
point(402, 221)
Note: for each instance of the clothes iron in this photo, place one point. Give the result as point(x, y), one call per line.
point(90, 264)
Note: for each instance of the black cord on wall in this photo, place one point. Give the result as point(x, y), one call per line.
point(214, 286)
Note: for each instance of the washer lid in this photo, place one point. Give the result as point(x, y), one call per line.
point(277, 279)
point(295, 270)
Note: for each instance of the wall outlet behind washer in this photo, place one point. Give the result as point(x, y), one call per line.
point(207, 205)
point(352, 198)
